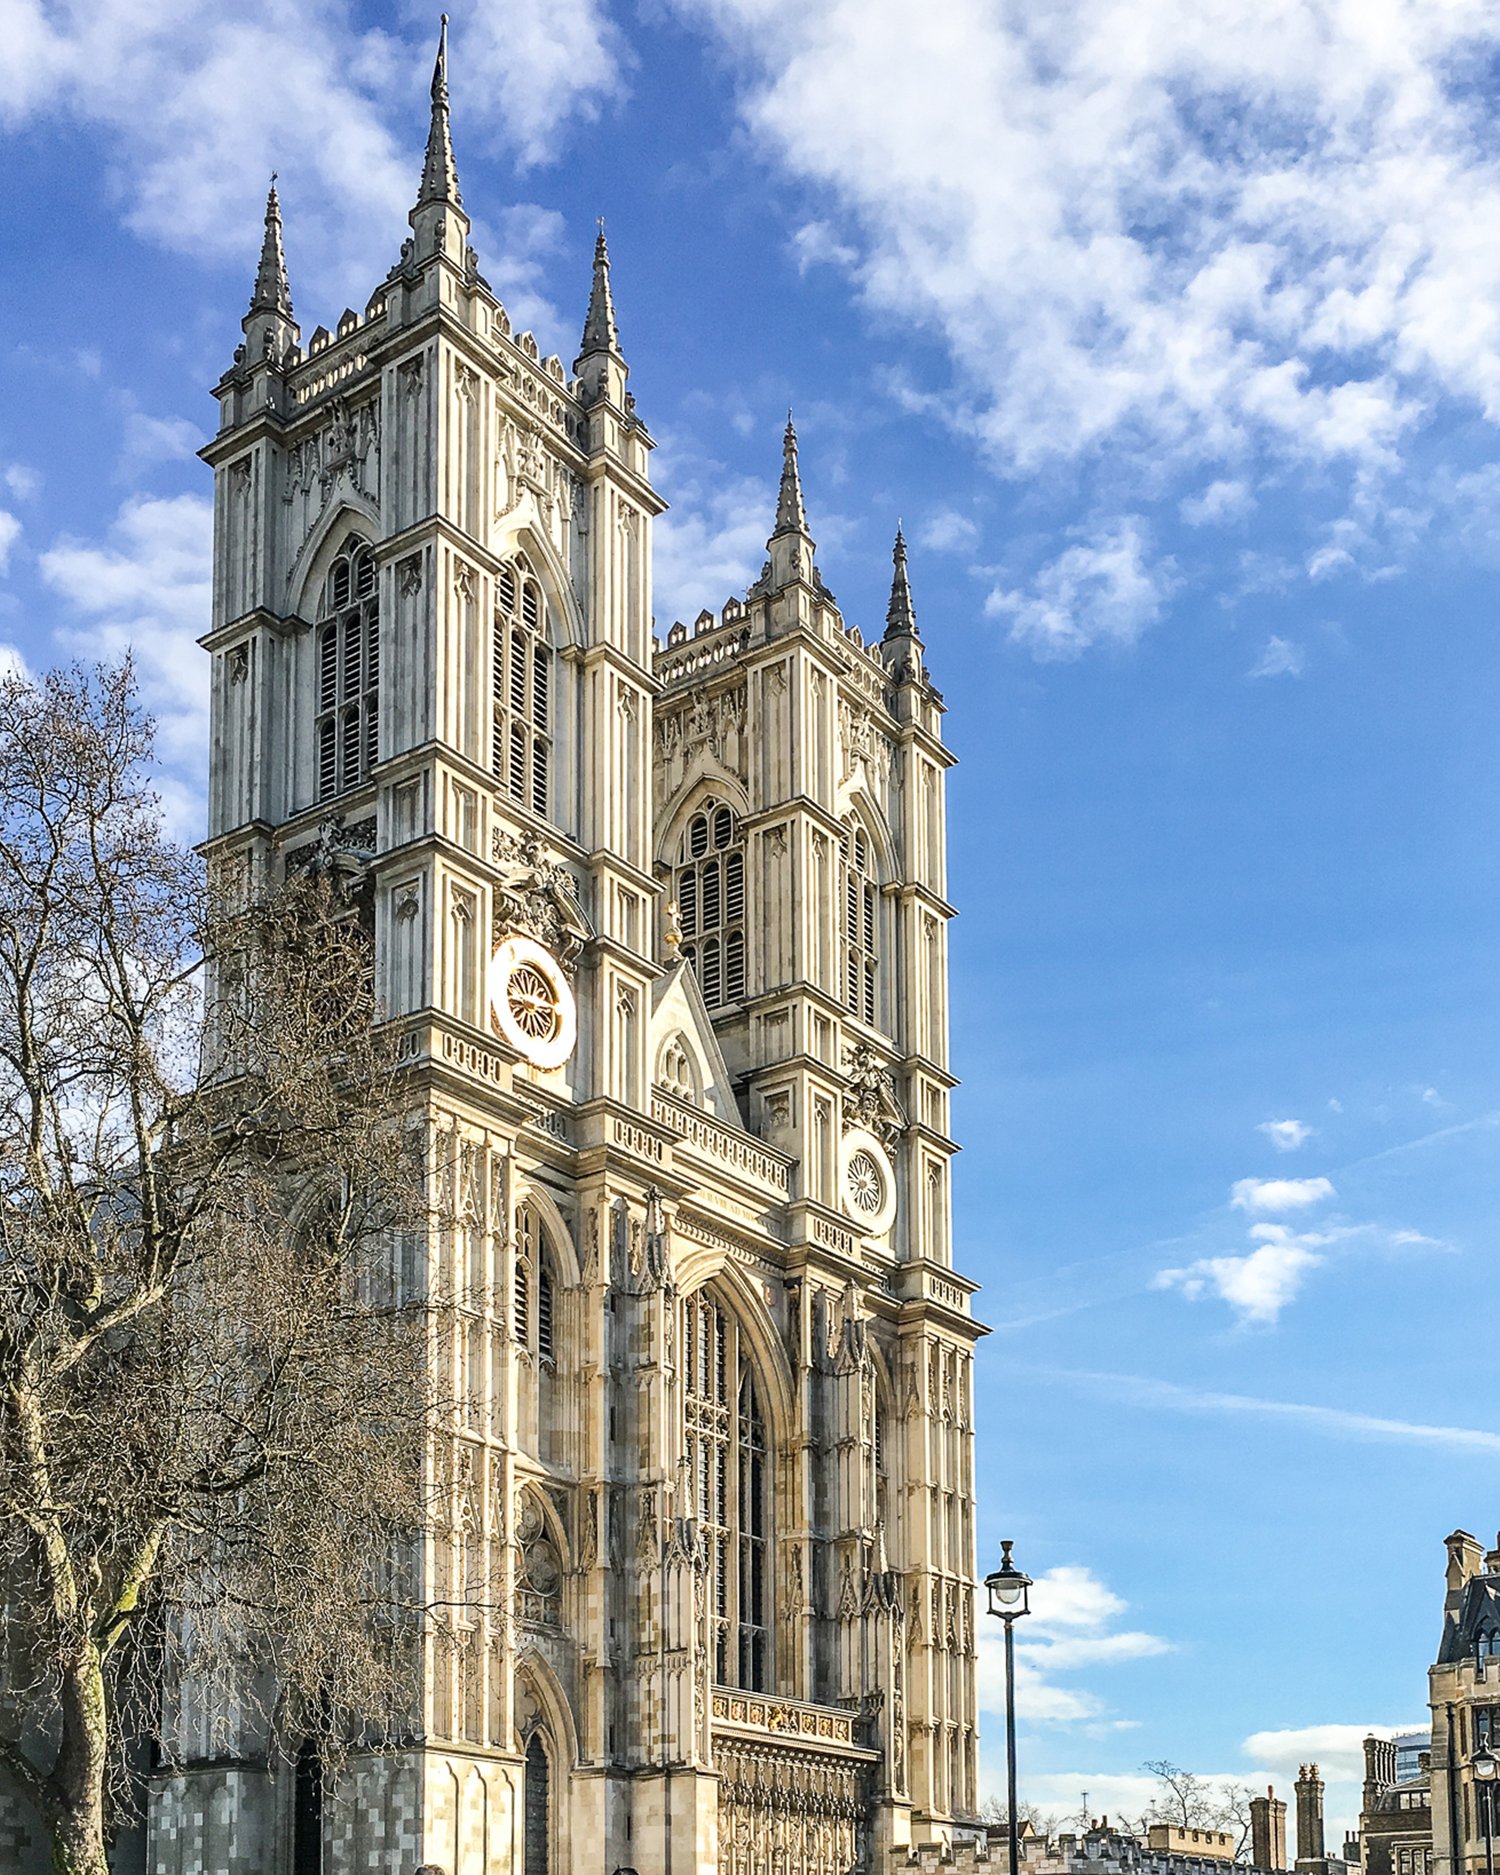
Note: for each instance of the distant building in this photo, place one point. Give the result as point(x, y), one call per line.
point(1413, 1749)
point(1464, 1692)
point(1395, 1817)
point(1104, 1849)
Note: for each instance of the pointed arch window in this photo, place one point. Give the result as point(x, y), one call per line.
point(729, 1459)
point(709, 887)
point(861, 922)
point(348, 674)
point(307, 1811)
point(536, 1840)
point(521, 689)
point(534, 1318)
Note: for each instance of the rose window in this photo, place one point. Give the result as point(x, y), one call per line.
point(532, 1003)
point(866, 1186)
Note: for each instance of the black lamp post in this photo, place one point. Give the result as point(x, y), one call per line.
point(1009, 1600)
point(1484, 1764)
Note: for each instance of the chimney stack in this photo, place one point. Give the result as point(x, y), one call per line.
point(1268, 1830)
point(1309, 1816)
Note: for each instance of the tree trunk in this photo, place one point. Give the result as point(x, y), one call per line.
point(78, 1780)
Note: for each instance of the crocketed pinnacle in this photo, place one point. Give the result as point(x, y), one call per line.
point(273, 293)
point(900, 614)
point(439, 176)
point(791, 516)
point(600, 333)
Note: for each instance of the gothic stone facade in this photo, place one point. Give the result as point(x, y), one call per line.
point(665, 927)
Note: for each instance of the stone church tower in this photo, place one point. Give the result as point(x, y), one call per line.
point(664, 923)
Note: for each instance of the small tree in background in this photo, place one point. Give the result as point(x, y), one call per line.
point(213, 1398)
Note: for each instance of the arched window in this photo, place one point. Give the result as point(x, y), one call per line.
point(521, 684)
point(729, 1459)
point(307, 1812)
point(710, 893)
point(536, 1841)
point(348, 721)
point(534, 1323)
point(861, 897)
point(535, 1282)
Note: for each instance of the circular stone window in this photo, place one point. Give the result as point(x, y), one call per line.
point(867, 1182)
point(531, 1004)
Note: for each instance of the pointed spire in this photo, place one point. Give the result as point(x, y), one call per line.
point(273, 293)
point(791, 515)
point(600, 333)
point(439, 176)
point(900, 614)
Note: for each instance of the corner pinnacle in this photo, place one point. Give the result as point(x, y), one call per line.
point(900, 614)
point(600, 333)
point(439, 175)
point(791, 515)
point(273, 293)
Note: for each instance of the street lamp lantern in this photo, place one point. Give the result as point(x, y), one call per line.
point(1484, 1764)
point(1008, 1589)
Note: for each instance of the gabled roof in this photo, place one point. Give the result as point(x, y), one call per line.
point(1478, 1617)
point(677, 1007)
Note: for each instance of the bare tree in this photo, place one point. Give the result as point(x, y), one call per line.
point(1188, 1801)
point(213, 1404)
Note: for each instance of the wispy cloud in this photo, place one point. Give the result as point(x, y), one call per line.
point(1279, 657)
point(1285, 1135)
point(1071, 1628)
point(1104, 589)
point(1334, 1421)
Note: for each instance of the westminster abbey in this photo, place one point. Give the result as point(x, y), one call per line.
point(663, 914)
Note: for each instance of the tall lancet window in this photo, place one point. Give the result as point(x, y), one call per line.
point(861, 896)
point(729, 1460)
point(536, 1840)
point(521, 684)
point(710, 892)
point(348, 720)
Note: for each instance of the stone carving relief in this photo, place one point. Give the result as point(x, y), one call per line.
point(870, 1096)
point(714, 722)
point(536, 897)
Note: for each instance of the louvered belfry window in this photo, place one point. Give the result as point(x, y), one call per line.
point(348, 676)
point(861, 923)
point(710, 891)
point(521, 685)
point(729, 1457)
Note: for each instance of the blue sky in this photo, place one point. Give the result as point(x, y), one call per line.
point(1172, 332)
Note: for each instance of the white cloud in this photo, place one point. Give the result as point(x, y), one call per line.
point(1338, 1750)
point(10, 533)
point(711, 542)
point(947, 531)
point(1286, 1135)
point(1279, 1194)
point(1224, 238)
point(150, 440)
point(1257, 1285)
point(192, 144)
point(22, 482)
point(1220, 502)
point(146, 589)
point(1101, 590)
point(1070, 1629)
point(1280, 657)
